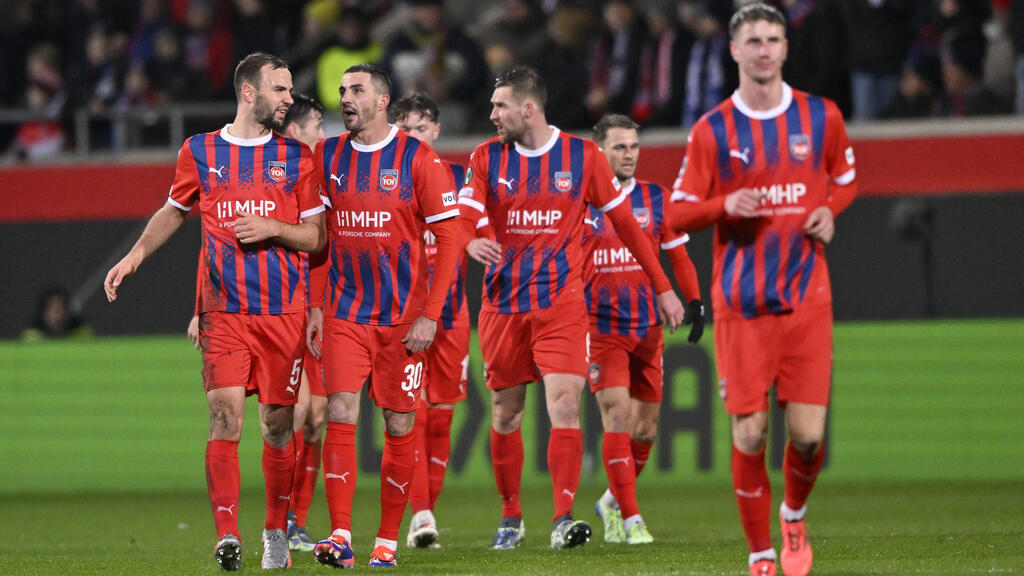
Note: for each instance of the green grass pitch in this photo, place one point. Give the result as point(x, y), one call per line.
point(101, 470)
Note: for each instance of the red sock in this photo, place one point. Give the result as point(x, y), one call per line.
point(800, 475)
point(507, 459)
point(307, 468)
point(439, 448)
point(396, 469)
point(278, 474)
point(340, 473)
point(641, 452)
point(621, 472)
point(754, 497)
point(565, 458)
point(222, 481)
point(419, 490)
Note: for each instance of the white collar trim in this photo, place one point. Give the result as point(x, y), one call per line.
point(628, 188)
point(787, 99)
point(244, 141)
point(379, 145)
point(543, 149)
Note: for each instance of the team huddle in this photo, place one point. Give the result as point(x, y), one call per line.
point(330, 264)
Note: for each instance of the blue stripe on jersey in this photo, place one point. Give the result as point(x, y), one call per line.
point(252, 280)
point(748, 284)
point(561, 267)
point(771, 273)
point(728, 270)
point(555, 160)
point(211, 264)
point(525, 274)
point(330, 145)
point(387, 289)
point(643, 306)
point(796, 248)
point(293, 154)
point(227, 267)
point(366, 273)
point(404, 274)
point(504, 281)
point(604, 311)
point(512, 172)
point(794, 127)
point(333, 275)
point(805, 273)
point(222, 156)
point(533, 176)
point(588, 296)
point(770, 140)
point(274, 280)
point(493, 166)
point(348, 292)
point(197, 145)
point(387, 158)
point(294, 277)
point(623, 310)
point(717, 122)
point(657, 205)
point(744, 139)
point(363, 183)
point(817, 107)
point(576, 166)
point(636, 198)
point(458, 175)
point(544, 279)
point(247, 163)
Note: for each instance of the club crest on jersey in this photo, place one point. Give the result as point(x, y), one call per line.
point(799, 146)
point(276, 170)
point(563, 181)
point(594, 373)
point(643, 216)
point(389, 179)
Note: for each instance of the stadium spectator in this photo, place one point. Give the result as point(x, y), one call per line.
point(170, 77)
point(879, 33)
point(436, 56)
point(563, 57)
point(55, 318)
point(614, 73)
point(626, 343)
point(44, 134)
point(352, 46)
point(710, 74)
point(319, 18)
point(533, 320)
point(152, 19)
point(251, 333)
point(962, 53)
point(817, 60)
point(921, 87)
point(382, 310)
point(772, 184)
point(659, 96)
point(446, 372)
point(97, 80)
point(511, 32)
point(206, 45)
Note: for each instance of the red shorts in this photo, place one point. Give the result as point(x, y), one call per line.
point(314, 374)
point(793, 351)
point(263, 353)
point(448, 366)
point(627, 361)
point(353, 352)
point(519, 347)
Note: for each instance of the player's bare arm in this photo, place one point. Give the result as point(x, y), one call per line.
point(820, 225)
point(307, 236)
point(164, 223)
point(484, 251)
point(420, 334)
point(742, 203)
point(315, 331)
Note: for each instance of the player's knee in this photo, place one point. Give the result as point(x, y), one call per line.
point(806, 446)
point(564, 412)
point(615, 418)
point(645, 433)
point(398, 423)
point(225, 424)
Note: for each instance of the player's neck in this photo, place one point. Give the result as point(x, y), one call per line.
point(759, 96)
point(246, 127)
point(536, 136)
point(372, 133)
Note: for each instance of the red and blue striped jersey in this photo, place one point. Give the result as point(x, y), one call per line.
point(535, 201)
point(272, 176)
point(455, 313)
point(620, 296)
point(379, 199)
point(794, 155)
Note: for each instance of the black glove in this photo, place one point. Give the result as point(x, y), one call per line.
point(695, 317)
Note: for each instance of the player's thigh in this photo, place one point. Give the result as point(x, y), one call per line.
point(746, 361)
point(609, 361)
point(279, 346)
point(805, 369)
point(397, 375)
point(347, 357)
point(448, 366)
point(505, 346)
point(559, 338)
point(225, 344)
point(646, 372)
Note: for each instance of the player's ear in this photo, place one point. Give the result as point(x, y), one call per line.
point(382, 104)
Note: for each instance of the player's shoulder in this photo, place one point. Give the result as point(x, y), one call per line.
point(831, 108)
point(489, 146)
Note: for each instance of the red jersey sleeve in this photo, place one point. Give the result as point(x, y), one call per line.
point(308, 188)
point(839, 161)
point(185, 189)
point(691, 209)
point(473, 194)
point(436, 197)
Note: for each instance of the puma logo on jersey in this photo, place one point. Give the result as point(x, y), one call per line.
point(508, 183)
point(228, 509)
point(401, 487)
point(743, 156)
point(439, 462)
point(755, 494)
point(338, 179)
point(217, 171)
point(341, 477)
point(615, 461)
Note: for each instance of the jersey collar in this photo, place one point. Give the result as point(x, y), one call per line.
point(543, 149)
point(379, 145)
point(628, 187)
point(244, 141)
point(787, 99)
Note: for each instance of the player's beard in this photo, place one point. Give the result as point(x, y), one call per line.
point(267, 115)
point(508, 135)
point(358, 122)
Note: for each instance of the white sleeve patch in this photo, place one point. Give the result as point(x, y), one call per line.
point(442, 216)
point(615, 202)
point(677, 242)
point(473, 204)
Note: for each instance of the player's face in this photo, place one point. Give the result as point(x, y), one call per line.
point(273, 97)
point(308, 131)
point(360, 102)
point(622, 148)
point(507, 115)
point(759, 50)
point(421, 127)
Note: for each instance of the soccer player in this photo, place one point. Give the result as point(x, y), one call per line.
point(257, 195)
point(771, 167)
point(626, 339)
point(377, 314)
point(447, 368)
point(533, 183)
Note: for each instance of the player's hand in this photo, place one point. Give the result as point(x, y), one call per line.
point(193, 331)
point(820, 225)
point(116, 275)
point(695, 319)
point(743, 203)
point(420, 335)
point(315, 331)
point(250, 228)
point(484, 251)
point(671, 309)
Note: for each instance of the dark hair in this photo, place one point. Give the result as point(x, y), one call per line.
point(416, 102)
point(300, 109)
point(754, 13)
point(525, 82)
point(39, 320)
point(250, 69)
point(610, 121)
point(378, 77)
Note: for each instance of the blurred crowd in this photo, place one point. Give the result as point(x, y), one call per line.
point(662, 62)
